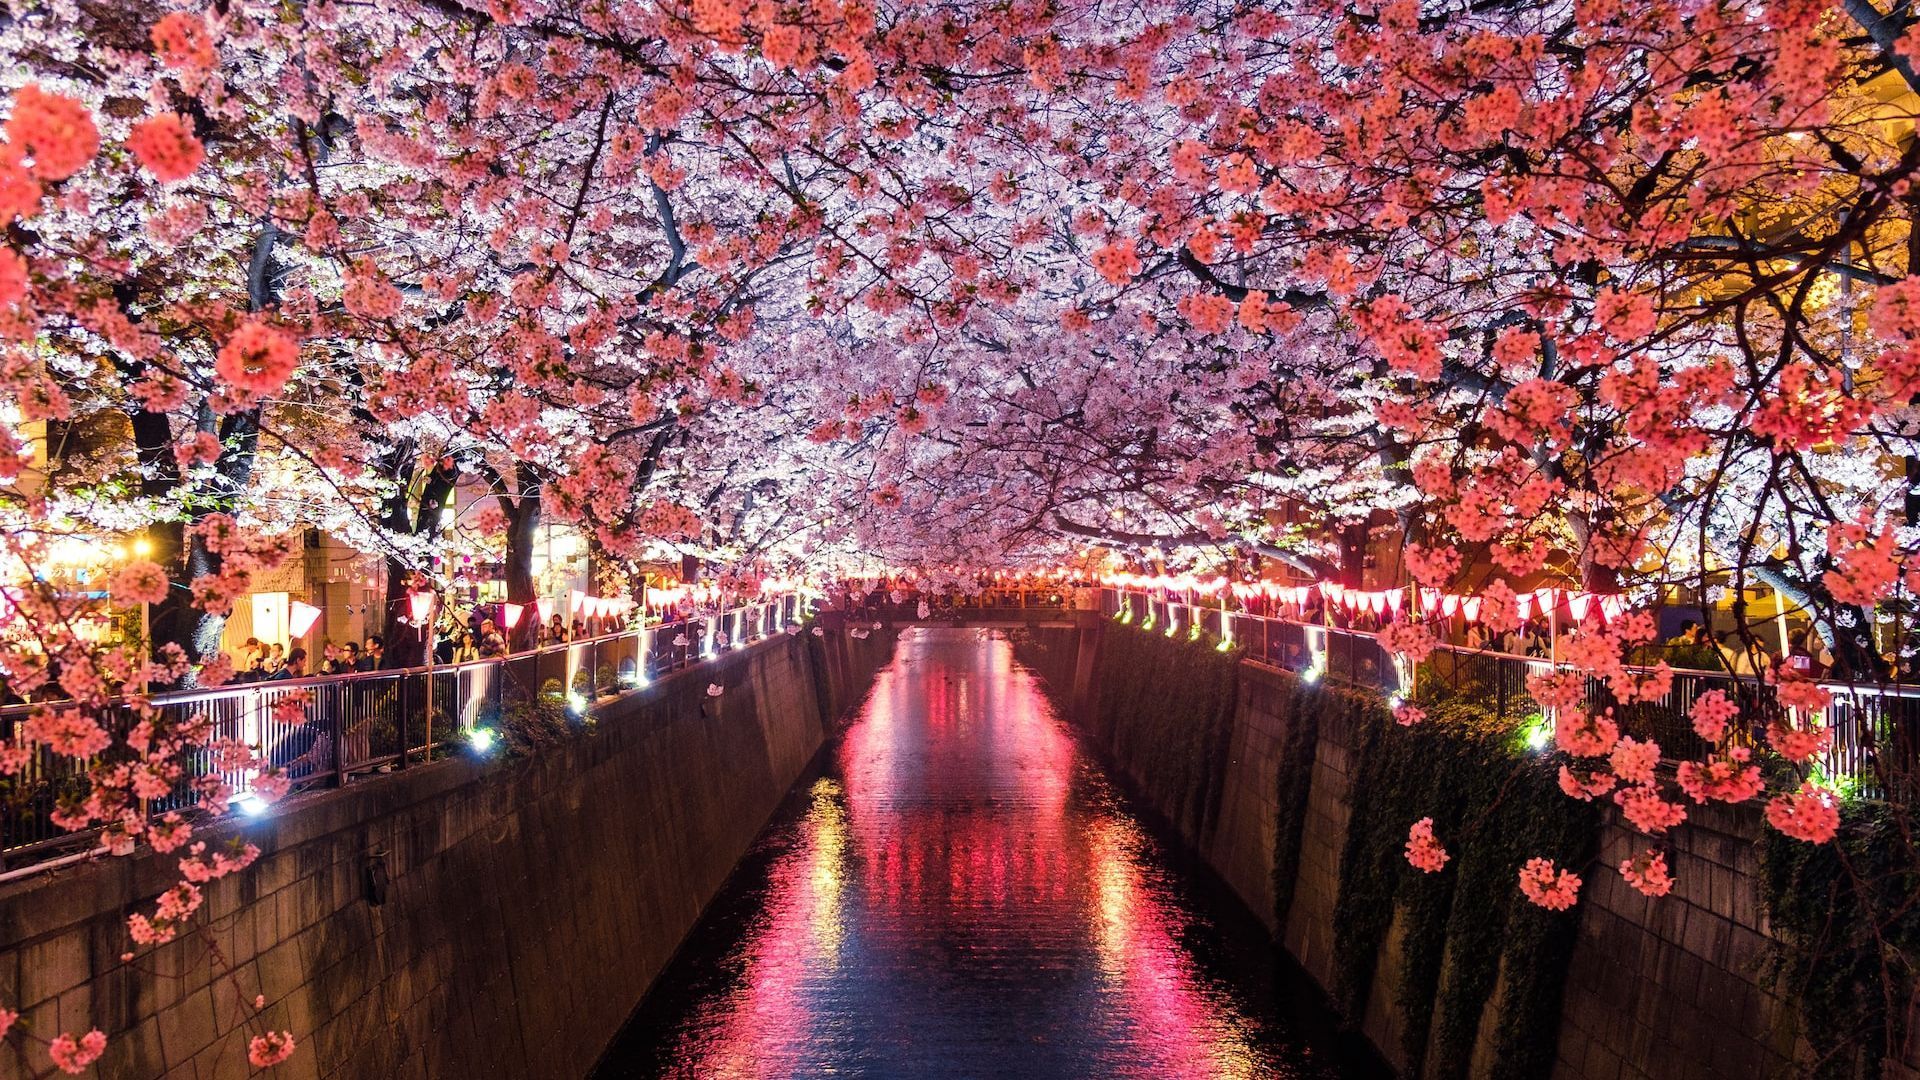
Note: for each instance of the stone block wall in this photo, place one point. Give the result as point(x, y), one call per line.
point(464, 918)
point(1673, 987)
point(1655, 989)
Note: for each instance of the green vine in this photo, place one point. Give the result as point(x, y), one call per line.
point(1494, 806)
point(1845, 921)
point(1293, 783)
point(1164, 711)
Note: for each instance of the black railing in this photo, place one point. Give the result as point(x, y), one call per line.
point(1876, 728)
point(329, 729)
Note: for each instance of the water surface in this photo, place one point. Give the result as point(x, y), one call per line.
point(963, 893)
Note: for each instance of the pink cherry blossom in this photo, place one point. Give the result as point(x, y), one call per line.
point(1549, 886)
point(266, 1051)
point(1423, 851)
point(1647, 873)
point(71, 1055)
point(1811, 814)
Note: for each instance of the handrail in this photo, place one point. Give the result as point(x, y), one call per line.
point(174, 697)
point(357, 722)
point(1876, 726)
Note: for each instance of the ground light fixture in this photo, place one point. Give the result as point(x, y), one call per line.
point(481, 739)
point(1537, 732)
point(250, 804)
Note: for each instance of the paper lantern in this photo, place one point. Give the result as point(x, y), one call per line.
point(544, 605)
point(421, 605)
point(1377, 602)
point(1613, 605)
point(576, 600)
point(1470, 607)
point(300, 618)
point(510, 614)
point(1429, 600)
point(1524, 602)
point(1578, 603)
point(1396, 597)
point(1449, 605)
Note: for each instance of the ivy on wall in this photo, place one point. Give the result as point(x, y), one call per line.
point(1479, 971)
point(1163, 711)
point(1494, 806)
point(1299, 710)
point(1845, 918)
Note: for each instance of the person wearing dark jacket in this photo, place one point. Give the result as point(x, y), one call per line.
point(294, 668)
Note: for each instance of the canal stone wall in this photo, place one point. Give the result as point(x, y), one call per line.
point(464, 918)
point(1654, 988)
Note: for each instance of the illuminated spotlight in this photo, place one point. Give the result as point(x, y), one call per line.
point(576, 703)
point(1538, 733)
point(250, 804)
point(481, 739)
point(1396, 699)
point(1312, 674)
point(1226, 645)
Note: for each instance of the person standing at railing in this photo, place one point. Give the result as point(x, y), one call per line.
point(1745, 659)
point(554, 633)
point(370, 657)
point(492, 643)
point(294, 668)
point(1804, 660)
point(464, 650)
point(1536, 638)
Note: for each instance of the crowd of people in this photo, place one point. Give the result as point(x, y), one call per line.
point(471, 637)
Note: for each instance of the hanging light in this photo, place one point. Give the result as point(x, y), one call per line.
point(544, 606)
point(421, 606)
point(510, 614)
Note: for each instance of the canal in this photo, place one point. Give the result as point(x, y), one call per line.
point(962, 892)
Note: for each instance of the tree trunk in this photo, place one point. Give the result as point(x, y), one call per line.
point(406, 644)
point(1353, 554)
point(523, 533)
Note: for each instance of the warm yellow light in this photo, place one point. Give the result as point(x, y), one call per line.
point(143, 547)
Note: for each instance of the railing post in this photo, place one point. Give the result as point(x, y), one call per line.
point(401, 711)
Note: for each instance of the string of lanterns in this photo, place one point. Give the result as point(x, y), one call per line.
point(580, 604)
point(1545, 602)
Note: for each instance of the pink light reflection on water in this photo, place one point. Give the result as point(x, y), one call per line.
point(965, 896)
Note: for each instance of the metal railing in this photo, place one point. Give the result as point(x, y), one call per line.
point(326, 730)
point(1876, 727)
